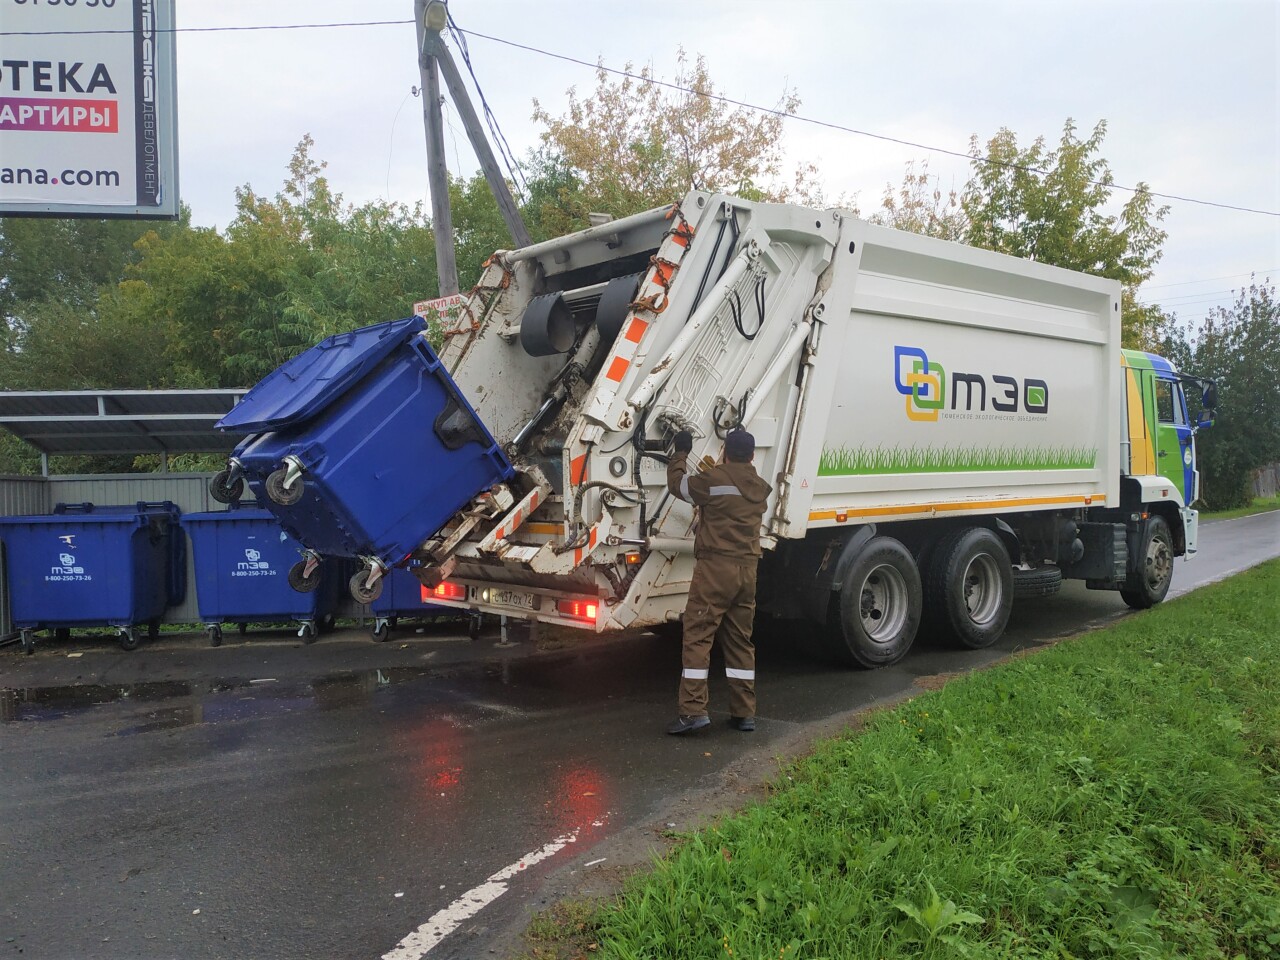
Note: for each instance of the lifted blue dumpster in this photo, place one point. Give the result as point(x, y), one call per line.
point(404, 597)
point(88, 565)
point(363, 446)
point(249, 570)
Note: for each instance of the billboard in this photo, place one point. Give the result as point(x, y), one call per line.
point(88, 109)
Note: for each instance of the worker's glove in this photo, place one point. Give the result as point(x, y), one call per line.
point(683, 442)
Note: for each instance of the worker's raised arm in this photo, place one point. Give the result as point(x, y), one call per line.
point(680, 482)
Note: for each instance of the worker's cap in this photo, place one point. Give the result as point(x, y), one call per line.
point(739, 445)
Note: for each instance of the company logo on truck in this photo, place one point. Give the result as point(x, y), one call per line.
point(924, 384)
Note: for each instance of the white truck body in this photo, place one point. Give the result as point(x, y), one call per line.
point(943, 426)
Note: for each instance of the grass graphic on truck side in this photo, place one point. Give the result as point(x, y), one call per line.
point(868, 461)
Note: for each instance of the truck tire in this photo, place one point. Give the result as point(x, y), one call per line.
point(1038, 582)
point(968, 591)
point(876, 612)
point(1148, 585)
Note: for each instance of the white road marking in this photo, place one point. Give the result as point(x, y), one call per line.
point(417, 944)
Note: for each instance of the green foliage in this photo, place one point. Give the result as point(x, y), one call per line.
point(919, 205)
point(1059, 216)
point(1239, 347)
point(634, 144)
point(1113, 797)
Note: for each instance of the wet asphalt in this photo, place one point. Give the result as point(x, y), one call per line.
point(275, 799)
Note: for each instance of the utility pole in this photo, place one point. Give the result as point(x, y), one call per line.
point(433, 51)
point(437, 172)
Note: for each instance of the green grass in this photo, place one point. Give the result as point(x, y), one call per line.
point(867, 461)
point(1115, 796)
point(1259, 505)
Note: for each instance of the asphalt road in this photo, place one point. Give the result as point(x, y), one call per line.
point(416, 798)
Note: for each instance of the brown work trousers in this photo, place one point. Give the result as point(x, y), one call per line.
point(722, 606)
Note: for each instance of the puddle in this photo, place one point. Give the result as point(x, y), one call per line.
point(180, 704)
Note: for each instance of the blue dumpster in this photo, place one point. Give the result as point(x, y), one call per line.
point(403, 597)
point(363, 446)
point(248, 570)
point(91, 566)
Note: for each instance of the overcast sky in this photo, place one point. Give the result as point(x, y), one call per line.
point(1189, 90)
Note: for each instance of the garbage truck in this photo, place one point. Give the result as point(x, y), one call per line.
point(945, 429)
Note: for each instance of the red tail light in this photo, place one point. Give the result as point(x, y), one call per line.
point(445, 591)
point(578, 609)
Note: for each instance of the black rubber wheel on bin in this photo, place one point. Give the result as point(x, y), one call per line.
point(62, 633)
point(28, 638)
point(243, 628)
point(308, 632)
point(215, 635)
point(476, 621)
point(129, 638)
point(224, 490)
point(362, 594)
point(153, 629)
point(279, 493)
point(299, 582)
point(1149, 584)
point(382, 632)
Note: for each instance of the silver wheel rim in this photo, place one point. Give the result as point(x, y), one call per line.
point(883, 603)
point(983, 590)
point(1158, 563)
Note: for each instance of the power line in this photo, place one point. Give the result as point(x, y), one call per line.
point(1230, 276)
point(269, 26)
point(671, 86)
point(862, 133)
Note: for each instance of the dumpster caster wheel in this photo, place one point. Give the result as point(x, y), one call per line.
point(473, 628)
point(243, 628)
point(215, 636)
point(28, 642)
point(225, 490)
point(279, 493)
point(299, 581)
point(129, 638)
point(307, 632)
point(328, 624)
point(62, 633)
point(362, 593)
point(153, 629)
point(382, 631)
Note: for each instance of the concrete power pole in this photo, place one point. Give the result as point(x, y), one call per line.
point(432, 51)
point(437, 176)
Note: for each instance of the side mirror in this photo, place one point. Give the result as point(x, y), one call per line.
point(1204, 420)
point(1209, 396)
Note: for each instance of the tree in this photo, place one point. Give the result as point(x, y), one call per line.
point(1239, 347)
point(920, 206)
point(1048, 205)
point(64, 260)
point(636, 143)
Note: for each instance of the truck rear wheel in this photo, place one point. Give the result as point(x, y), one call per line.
point(1149, 583)
point(876, 613)
point(968, 592)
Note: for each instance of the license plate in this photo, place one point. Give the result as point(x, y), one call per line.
point(511, 598)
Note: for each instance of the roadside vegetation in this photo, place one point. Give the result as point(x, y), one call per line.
point(1115, 796)
point(1258, 505)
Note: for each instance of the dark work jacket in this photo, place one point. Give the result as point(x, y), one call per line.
point(732, 497)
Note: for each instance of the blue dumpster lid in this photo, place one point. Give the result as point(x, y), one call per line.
point(299, 389)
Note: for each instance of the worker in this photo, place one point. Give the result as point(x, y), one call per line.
point(722, 595)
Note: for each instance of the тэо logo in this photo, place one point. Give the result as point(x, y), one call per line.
point(923, 383)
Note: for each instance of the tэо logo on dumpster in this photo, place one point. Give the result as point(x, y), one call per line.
point(68, 562)
point(253, 565)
